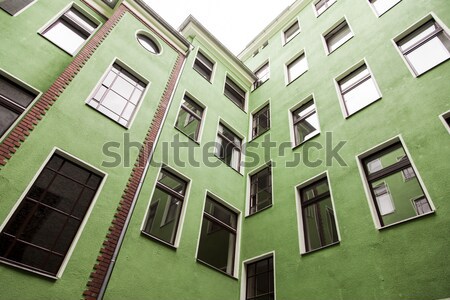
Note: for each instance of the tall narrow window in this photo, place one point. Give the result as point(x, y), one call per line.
point(13, 7)
point(260, 283)
point(70, 31)
point(263, 74)
point(228, 147)
point(382, 6)
point(394, 204)
point(319, 225)
point(165, 207)
point(291, 32)
point(261, 121)
point(338, 36)
point(296, 68)
point(306, 122)
point(44, 225)
point(14, 100)
point(189, 118)
point(358, 89)
point(426, 47)
point(118, 95)
point(234, 93)
point(217, 246)
point(260, 190)
point(323, 5)
point(204, 66)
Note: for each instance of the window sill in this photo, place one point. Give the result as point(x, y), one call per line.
point(293, 80)
point(189, 138)
point(347, 116)
point(259, 135)
point(321, 248)
point(25, 268)
point(123, 126)
point(329, 52)
point(164, 243)
point(406, 220)
point(216, 269)
point(305, 141)
point(242, 109)
point(261, 210)
point(229, 165)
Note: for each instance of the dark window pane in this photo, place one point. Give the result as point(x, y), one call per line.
point(14, 92)
point(234, 93)
point(260, 283)
point(260, 190)
point(148, 43)
point(203, 65)
point(14, 6)
point(172, 182)
point(7, 118)
point(63, 194)
point(75, 172)
point(221, 213)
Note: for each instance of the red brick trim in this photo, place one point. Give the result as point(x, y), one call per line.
point(22, 130)
point(98, 275)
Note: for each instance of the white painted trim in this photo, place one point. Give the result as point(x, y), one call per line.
point(375, 11)
point(301, 238)
point(443, 116)
point(316, 13)
point(253, 112)
point(267, 61)
point(24, 8)
point(208, 56)
point(80, 163)
point(150, 36)
point(330, 29)
point(238, 229)
point(239, 84)
point(81, 10)
point(244, 273)
point(25, 86)
point(359, 161)
point(124, 65)
point(239, 135)
point(285, 41)
point(286, 67)
point(261, 167)
point(291, 118)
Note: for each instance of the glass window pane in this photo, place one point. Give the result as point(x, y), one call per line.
point(291, 31)
point(114, 102)
point(123, 87)
point(172, 182)
point(384, 159)
point(430, 54)
point(15, 93)
point(7, 118)
point(148, 43)
point(417, 35)
point(361, 96)
point(65, 36)
point(306, 128)
point(221, 213)
point(14, 6)
point(381, 6)
point(338, 37)
point(354, 78)
point(297, 68)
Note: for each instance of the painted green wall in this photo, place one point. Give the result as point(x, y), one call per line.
point(81, 131)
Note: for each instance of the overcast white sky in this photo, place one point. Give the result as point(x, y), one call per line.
point(234, 22)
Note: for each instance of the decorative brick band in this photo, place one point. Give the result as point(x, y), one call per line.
point(98, 275)
point(28, 122)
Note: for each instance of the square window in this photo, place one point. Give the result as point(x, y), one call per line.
point(291, 32)
point(13, 7)
point(358, 89)
point(338, 36)
point(322, 5)
point(203, 66)
point(229, 147)
point(118, 95)
point(425, 47)
point(190, 118)
point(217, 245)
point(319, 225)
point(44, 225)
point(70, 30)
point(263, 74)
point(306, 122)
point(165, 208)
point(260, 190)
point(391, 193)
point(296, 68)
point(261, 121)
point(260, 280)
point(234, 93)
point(14, 100)
point(382, 6)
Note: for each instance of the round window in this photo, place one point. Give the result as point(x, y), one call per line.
point(148, 43)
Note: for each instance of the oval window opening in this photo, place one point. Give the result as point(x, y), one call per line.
point(148, 43)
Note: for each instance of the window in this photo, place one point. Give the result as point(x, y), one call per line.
point(14, 100)
point(44, 225)
point(382, 6)
point(260, 283)
point(165, 207)
point(148, 43)
point(394, 204)
point(407, 173)
point(261, 121)
point(338, 36)
point(234, 93)
point(358, 89)
point(319, 225)
point(291, 32)
point(217, 246)
point(118, 96)
point(260, 190)
point(189, 118)
point(296, 68)
point(13, 7)
point(70, 31)
point(322, 6)
point(110, 3)
point(263, 74)
point(203, 66)
point(426, 47)
point(306, 122)
point(228, 147)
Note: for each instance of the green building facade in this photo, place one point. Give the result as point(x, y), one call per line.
point(137, 160)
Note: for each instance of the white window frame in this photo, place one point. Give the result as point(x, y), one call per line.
point(208, 56)
point(367, 189)
point(377, 14)
point(252, 113)
point(285, 40)
point(248, 189)
point(86, 217)
point(151, 37)
point(333, 27)
point(258, 82)
point(240, 85)
point(23, 9)
point(244, 273)
point(202, 123)
point(444, 116)
point(288, 80)
point(239, 135)
point(291, 119)
point(316, 13)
